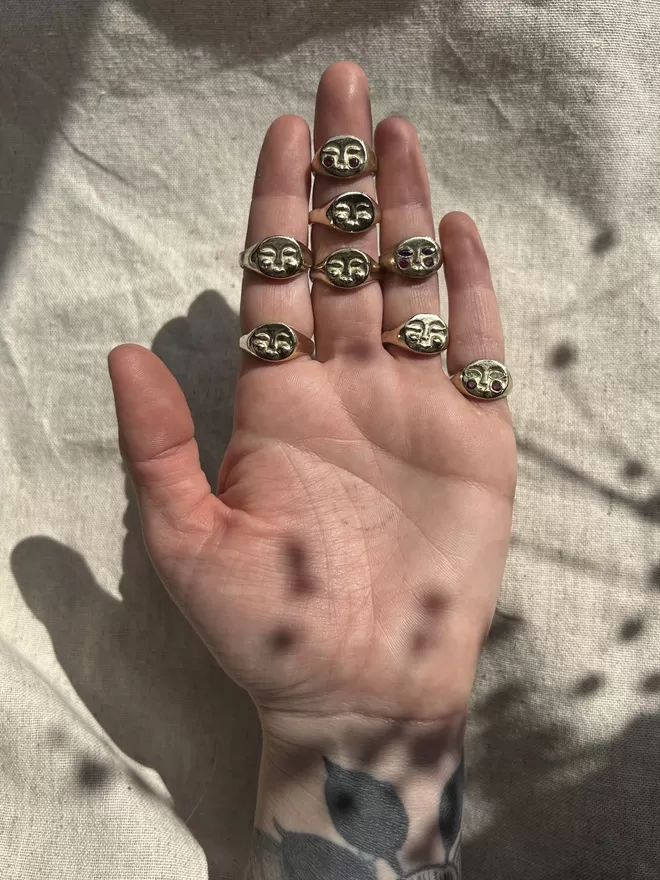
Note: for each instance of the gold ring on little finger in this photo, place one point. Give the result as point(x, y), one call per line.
point(415, 257)
point(278, 256)
point(349, 212)
point(276, 342)
point(484, 379)
point(346, 268)
point(421, 334)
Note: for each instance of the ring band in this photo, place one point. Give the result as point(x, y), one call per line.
point(484, 379)
point(344, 156)
point(347, 268)
point(349, 212)
point(415, 257)
point(276, 342)
point(277, 256)
point(422, 334)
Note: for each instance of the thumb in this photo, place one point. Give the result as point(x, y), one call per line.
point(157, 441)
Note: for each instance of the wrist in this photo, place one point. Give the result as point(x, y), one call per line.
point(355, 797)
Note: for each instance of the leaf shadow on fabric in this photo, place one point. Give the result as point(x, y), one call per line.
point(136, 663)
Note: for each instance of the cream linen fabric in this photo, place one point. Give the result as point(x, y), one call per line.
point(129, 134)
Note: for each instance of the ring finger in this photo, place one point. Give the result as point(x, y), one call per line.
point(405, 200)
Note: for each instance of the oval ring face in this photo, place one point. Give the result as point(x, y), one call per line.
point(352, 212)
point(272, 342)
point(347, 267)
point(417, 257)
point(343, 156)
point(278, 257)
point(486, 379)
point(425, 334)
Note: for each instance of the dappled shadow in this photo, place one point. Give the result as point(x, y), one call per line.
point(146, 676)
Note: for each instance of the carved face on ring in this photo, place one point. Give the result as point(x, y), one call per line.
point(486, 379)
point(425, 334)
point(352, 212)
point(278, 256)
point(347, 267)
point(418, 257)
point(343, 156)
point(272, 342)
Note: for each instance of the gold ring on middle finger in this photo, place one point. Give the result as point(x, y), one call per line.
point(346, 268)
point(348, 212)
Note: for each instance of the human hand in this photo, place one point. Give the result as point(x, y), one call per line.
point(350, 561)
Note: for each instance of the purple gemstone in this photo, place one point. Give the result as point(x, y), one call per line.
point(328, 161)
point(429, 261)
point(428, 250)
point(354, 161)
point(471, 384)
point(496, 385)
point(404, 263)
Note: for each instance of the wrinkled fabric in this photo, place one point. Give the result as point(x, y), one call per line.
point(129, 134)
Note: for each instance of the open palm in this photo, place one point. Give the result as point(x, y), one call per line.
point(351, 557)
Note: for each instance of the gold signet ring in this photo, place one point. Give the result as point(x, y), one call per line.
point(422, 334)
point(349, 212)
point(484, 380)
point(278, 256)
point(344, 156)
point(276, 343)
point(415, 257)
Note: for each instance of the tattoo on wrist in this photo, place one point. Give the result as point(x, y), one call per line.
point(371, 820)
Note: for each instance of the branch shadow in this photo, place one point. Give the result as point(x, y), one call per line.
point(135, 662)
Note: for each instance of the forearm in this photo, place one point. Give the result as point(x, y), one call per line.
point(356, 799)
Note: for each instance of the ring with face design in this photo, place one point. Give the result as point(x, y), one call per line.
point(276, 342)
point(422, 334)
point(416, 257)
point(278, 256)
point(484, 379)
point(348, 212)
point(346, 268)
point(344, 156)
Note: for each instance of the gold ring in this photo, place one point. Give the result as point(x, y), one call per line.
point(348, 212)
point(346, 268)
point(344, 156)
point(415, 257)
point(423, 334)
point(484, 379)
point(278, 256)
point(276, 342)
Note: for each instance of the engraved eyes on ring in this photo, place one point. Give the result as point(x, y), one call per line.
point(279, 344)
point(353, 270)
point(406, 254)
point(348, 157)
point(490, 380)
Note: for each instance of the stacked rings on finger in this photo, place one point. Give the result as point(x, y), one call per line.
point(283, 257)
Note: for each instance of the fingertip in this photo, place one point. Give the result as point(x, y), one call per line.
point(288, 128)
point(345, 74)
point(396, 132)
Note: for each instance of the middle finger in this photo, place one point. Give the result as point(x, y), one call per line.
point(346, 321)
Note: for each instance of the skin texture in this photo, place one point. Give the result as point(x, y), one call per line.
point(349, 564)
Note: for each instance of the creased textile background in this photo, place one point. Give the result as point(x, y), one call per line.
point(129, 134)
